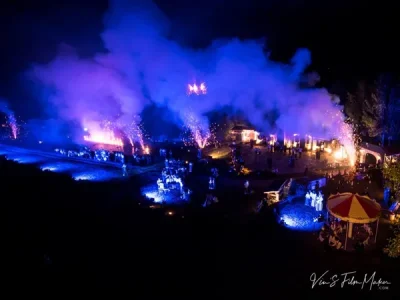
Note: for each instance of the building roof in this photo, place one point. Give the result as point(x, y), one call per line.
point(373, 148)
point(388, 150)
point(241, 127)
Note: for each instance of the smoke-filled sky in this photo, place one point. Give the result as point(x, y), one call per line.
point(144, 66)
point(148, 59)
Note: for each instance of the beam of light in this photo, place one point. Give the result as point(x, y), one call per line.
point(195, 89)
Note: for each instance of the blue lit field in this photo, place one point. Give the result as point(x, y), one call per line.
point(58, 167)
point(23, 159)
point(97, 175)
point(300, 217)
point(172, 197)
point(79, 170)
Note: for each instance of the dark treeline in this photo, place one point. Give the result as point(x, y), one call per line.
point(373, 107)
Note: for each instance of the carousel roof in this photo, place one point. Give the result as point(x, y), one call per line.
point(353, 208)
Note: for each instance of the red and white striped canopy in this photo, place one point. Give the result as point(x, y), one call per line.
point(353, 208)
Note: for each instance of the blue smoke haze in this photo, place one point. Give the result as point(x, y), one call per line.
point(143, 67)
point(4, 108)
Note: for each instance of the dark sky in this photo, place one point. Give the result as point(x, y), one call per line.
point(348, 39)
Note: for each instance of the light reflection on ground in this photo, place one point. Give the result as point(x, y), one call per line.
point(152, 193)
point(300, 217)
point(51, 163)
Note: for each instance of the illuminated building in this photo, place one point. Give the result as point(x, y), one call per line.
point(244, 134)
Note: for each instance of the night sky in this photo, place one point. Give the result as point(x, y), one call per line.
point(349, 40)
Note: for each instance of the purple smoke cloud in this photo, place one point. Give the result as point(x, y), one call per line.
point(143, 66)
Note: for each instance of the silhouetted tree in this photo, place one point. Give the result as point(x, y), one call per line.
point(391, 174)
point(392, 115)
point(373, 112)
point(226, 127)
point(373, 109)
point(354, 108)
point(393, 247)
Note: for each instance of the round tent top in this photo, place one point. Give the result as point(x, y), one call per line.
point(353, 208)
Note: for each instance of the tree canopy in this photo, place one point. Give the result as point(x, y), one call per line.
point(373, 109)
point(393, 247)
point(391, 174)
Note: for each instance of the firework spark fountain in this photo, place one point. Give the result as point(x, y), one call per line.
point(12, 122)
point(197, 89)
point(102, 133)
point(113, 133)
point(105, 136)
point(199, 133)
point(135, 133)
point(346, 137)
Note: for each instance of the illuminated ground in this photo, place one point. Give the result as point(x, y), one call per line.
point(300, 217)
point(279, 160)
point(218, 153)
point(171, 197)
point(79, 169)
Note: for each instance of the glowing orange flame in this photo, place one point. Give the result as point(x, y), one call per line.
point(105, 137)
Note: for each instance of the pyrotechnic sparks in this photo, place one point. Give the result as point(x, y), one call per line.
point(12, 122)
point(135, 133)
point(103, 133)
point(106, 137)
point(197, 89)
point(201, 138)
point(199, 134)
point(116, 133)
point(345, 135)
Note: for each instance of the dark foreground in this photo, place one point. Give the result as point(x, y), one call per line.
point(67, 235)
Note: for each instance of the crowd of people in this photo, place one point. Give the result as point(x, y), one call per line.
point(349, 180)
point(315, 200)
point(103, 155)
point(212, 186)
point(237, 161)
point(330, 237)
point(333, 235)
